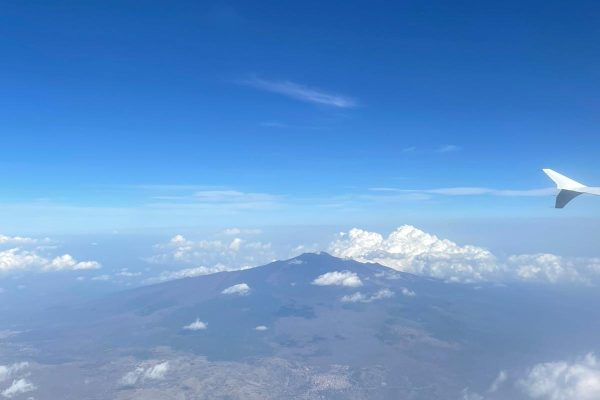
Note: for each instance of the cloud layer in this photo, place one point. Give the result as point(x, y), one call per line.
point(36, 258)
point(236, 252)
point(411, 250)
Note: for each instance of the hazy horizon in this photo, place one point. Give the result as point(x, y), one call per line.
point(311, 200)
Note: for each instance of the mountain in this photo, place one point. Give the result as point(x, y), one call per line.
point(314, 326)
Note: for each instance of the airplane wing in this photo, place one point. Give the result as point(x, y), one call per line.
point(568, 188)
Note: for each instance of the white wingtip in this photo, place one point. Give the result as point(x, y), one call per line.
point(562, 182)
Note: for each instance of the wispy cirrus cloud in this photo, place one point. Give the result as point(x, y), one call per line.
point(448, 148)
point(225, 200)
point(469, 191)
point(301, 92)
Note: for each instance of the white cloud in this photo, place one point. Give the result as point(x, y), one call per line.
point(358, 297)
point(128, 274)
point(471, 191)
point(564, 380)
point(9, 371)
point(261, 328)
point(227, 250)
point(235, 244)
point(448, 148)
point(408, 293)
point(239, 289)
point(234, 200)
point(499, 381)
point(17, 387)
point(301, 92)
point(411, 250)
point(237, 253)
point(189, 273)
point(103, 277)
point(241, 231)
point(338, 278)
point(197, 325)
point(143, 373)
point(467, 394)
point(132, 377)
point(16, 240)
point(157, 372)
point(18, 259)
point(67, 262)
point(554, 269)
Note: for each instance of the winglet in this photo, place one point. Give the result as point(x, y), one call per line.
point(562, 182)
point(568, 188)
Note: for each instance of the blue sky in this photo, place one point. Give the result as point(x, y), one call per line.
point(130, 115)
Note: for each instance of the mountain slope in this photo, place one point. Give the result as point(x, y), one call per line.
point(396, 334)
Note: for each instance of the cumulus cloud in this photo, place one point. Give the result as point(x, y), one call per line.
point(9, 371)
point(236, 253)
point(67, 262)
point(261, 328)
point(239, 289)
point(227, 250)
point(143, 373)
point(157, 371)
point(338, 278)
point(564, 380)
point(17, 387)
point(301, 92)
point(189, 273)
point(235, 244)
point(358, 297)
point(554, 269)
point(411, 250)
point(18, 259)
point(197, 325)
point(16, 240)
point(498, 382)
